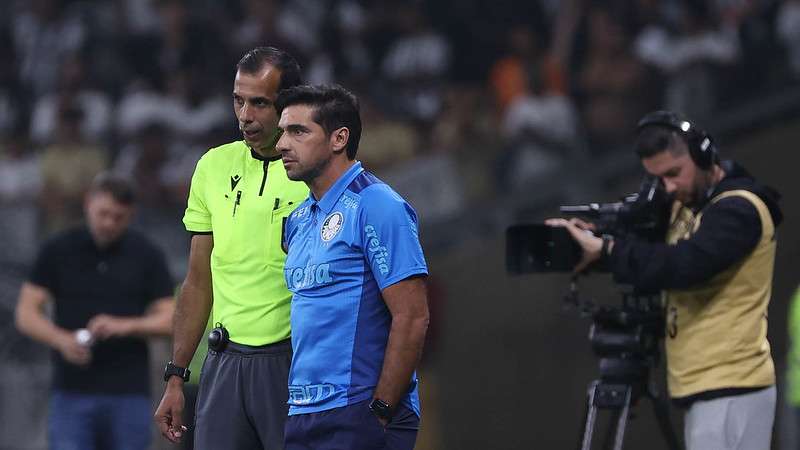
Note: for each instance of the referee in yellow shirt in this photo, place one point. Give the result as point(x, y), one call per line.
point(239, 199)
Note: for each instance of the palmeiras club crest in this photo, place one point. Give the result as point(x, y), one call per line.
point(332, 225)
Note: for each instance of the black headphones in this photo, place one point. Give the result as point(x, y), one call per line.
point(701, 146)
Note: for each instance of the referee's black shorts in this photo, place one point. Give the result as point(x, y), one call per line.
point(241, 403)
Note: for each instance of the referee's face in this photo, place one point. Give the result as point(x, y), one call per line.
point(254, 104)
point(107, 218)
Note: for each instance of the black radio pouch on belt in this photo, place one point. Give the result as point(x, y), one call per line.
point(218, 338)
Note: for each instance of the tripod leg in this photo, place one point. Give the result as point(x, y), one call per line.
point(623, 420)
point(661, 409)
point(591, 416)
point(611, 429)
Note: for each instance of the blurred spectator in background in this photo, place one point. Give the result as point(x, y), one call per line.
point(525, 67)
point(259, 24)
point(611, 82)
point(346, 56)
point(538, 121)
point(426, 171)
point(416, 65)
point(72, 89)
point(465, 110)
point(110, 287)
point(160, 169)
point(463, 138)
point(148, 164)
point(186, 39)
point(689, 56)
point(185, 107)
point(390, 141)
point(540, 134)
point(20, 188)
point(754, 70)
point(44, 34)
point(68, 166)
point(13, 101)
point(172, 78)
point(300, 22)
point(140, 17)
point(788, 27)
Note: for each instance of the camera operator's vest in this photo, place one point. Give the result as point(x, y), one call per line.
point(717, 330)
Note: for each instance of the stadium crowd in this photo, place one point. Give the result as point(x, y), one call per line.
point(467, 89)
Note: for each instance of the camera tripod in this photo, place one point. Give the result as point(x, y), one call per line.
point(620, 397)
point(627, 341)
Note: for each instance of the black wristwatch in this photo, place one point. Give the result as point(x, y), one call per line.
point(172, 369)
point(381, 409)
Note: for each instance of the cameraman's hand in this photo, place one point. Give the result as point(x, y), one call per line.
point(582, 233)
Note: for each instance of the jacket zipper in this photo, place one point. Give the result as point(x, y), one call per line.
point(263, 179)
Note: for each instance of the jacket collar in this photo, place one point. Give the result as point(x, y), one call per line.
point(329, 200)
point(258, 156)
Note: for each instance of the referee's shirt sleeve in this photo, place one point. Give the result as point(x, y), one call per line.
point(390, 238)
point(197, 218)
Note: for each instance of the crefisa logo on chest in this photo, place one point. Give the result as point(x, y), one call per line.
point(331, 226)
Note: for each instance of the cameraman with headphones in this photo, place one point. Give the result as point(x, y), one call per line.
point(715, 272)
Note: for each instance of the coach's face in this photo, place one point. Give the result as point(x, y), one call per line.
point(305, 147)
point(254, 103)
point(107, 218)
point(682, 178)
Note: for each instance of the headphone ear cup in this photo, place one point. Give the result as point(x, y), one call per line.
point(694, 150)
point(701, 150)
point(701, 147)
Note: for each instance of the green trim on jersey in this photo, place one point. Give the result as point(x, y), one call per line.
point(243, 202)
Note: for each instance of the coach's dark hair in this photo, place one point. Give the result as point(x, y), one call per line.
point(254, 60)
point(334, 107)
point(654, 139)
point(120, 189)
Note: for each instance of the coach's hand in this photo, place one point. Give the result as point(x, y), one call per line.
point(169, 415)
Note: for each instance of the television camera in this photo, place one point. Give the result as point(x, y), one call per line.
point(624, 338)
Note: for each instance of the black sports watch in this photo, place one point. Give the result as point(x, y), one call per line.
point(381, 409)
point(172, 369)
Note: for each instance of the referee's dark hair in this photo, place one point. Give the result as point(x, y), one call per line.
point(334, 107)
point(120, 189)
point(254, 60)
